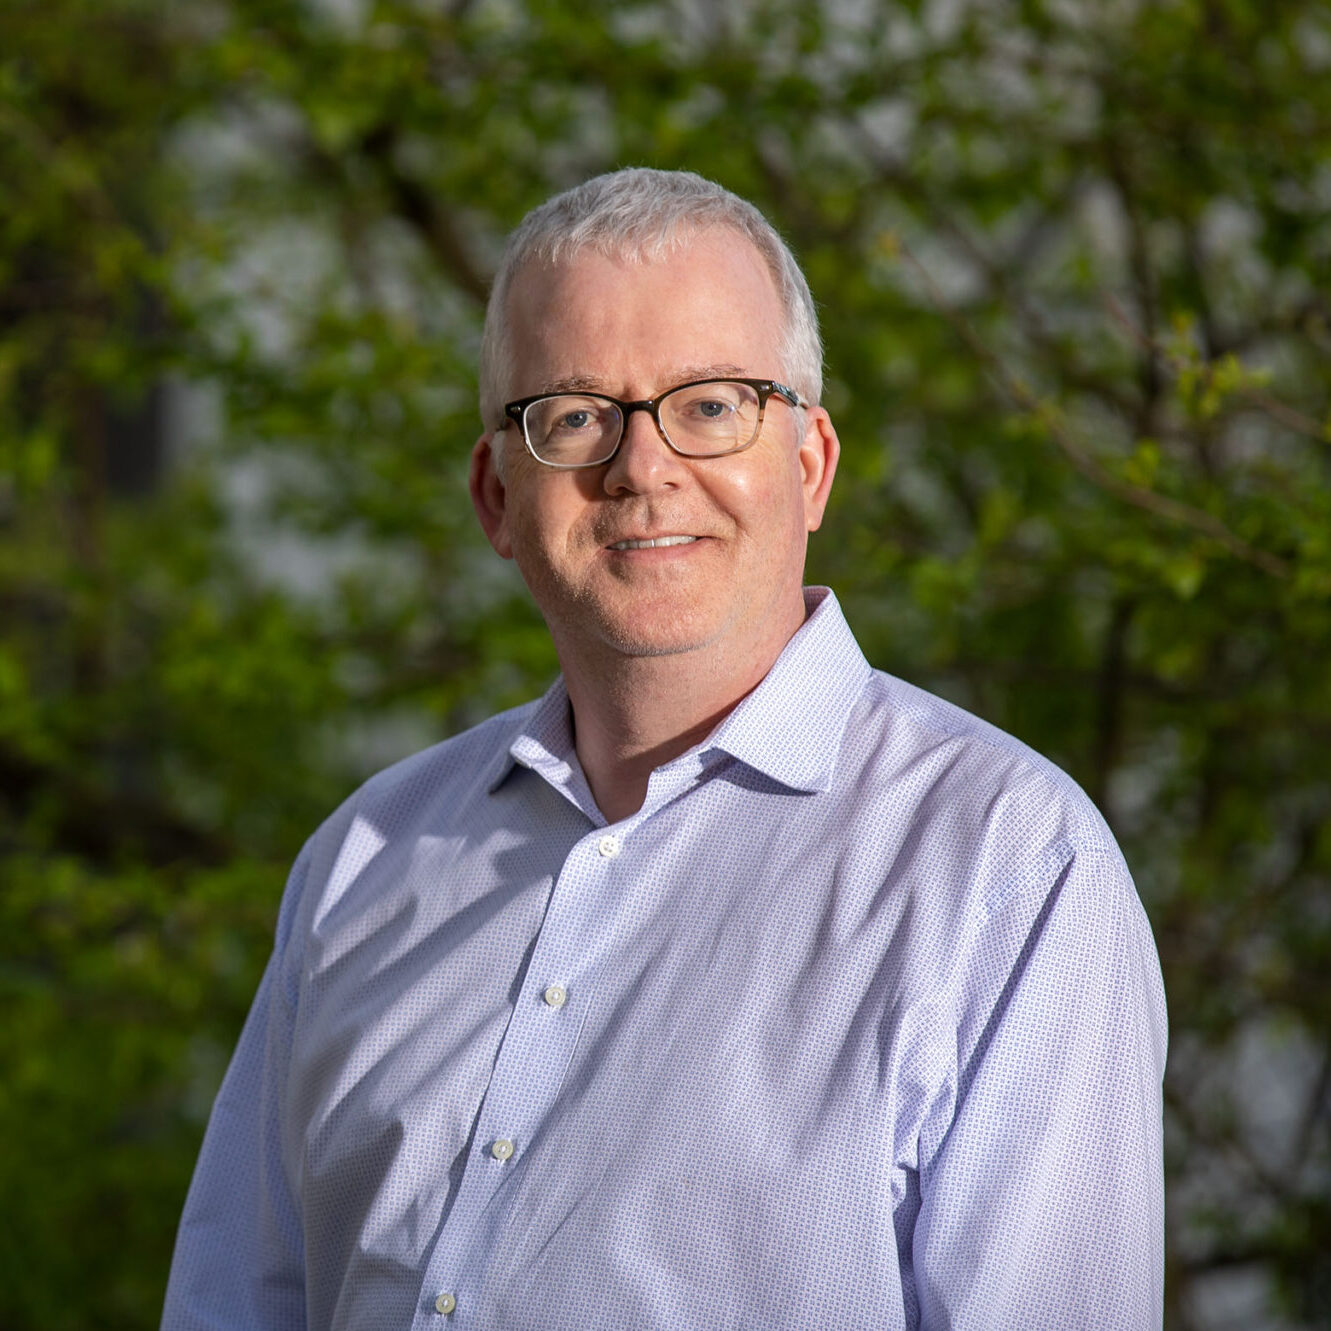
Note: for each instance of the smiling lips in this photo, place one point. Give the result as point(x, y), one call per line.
point(653, 543)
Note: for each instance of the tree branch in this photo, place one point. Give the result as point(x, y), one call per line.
point(1281, 412)
point(422, 211)
point(1160, 506)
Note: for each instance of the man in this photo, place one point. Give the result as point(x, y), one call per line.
point(732, 984)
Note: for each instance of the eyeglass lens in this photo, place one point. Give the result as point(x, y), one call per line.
point(701, 420)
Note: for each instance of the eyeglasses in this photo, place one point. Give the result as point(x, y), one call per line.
point(705, 419)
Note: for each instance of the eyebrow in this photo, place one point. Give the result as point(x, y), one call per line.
point(591, 383)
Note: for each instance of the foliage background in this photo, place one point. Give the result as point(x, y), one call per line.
point(1073, 261)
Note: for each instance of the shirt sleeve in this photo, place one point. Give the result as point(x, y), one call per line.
point(1041, 1204)
point(239, 1256)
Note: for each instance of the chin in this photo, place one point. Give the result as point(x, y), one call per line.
point(643, 647)
point(655, 640)
point(647, 630)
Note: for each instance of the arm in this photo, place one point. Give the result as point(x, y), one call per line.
point(239, 1258)
point(1042, 1199)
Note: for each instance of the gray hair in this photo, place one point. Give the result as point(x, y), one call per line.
point(641, 213)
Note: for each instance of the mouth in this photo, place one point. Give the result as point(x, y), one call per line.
point(653, 543)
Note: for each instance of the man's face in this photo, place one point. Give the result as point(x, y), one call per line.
point(631, 330)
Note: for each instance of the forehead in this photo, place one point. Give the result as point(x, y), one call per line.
point(633, 324)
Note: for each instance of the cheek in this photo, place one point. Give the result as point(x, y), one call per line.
point(546, 525)
point(770, 501)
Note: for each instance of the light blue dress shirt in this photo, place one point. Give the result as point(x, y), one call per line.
point(856, 1023)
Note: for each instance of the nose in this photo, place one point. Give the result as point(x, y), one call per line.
point(645, 462)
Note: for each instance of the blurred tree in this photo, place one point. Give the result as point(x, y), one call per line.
point(1073, 264)
point(159, 709)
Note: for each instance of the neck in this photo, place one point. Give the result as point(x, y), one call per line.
point(631, 714)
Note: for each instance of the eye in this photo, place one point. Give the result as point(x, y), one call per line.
point(713, 409)
point(573, 420)
point(708, 402)
point(719, 410)
point(568, 416)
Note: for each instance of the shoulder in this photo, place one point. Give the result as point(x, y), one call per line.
point(471, 759)
point(430, 793)
point(429, 790)
point(974, 759)
point(1001, 817)
point(1001, 848)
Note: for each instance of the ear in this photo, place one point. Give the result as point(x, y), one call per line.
point(818, 454)
point(489, 497)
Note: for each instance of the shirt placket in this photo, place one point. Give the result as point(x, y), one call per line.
point(534, 1057)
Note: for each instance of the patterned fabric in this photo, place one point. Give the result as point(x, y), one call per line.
point(857, 1023)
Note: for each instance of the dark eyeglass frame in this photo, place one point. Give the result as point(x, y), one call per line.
point(765, 388)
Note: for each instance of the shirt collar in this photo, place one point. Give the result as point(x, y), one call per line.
point(544, 742)
point(789, 728)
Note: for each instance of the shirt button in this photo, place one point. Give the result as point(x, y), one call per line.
point(445, 1303)
point(609, 846)
point(555, 996)
point(501, 1149)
